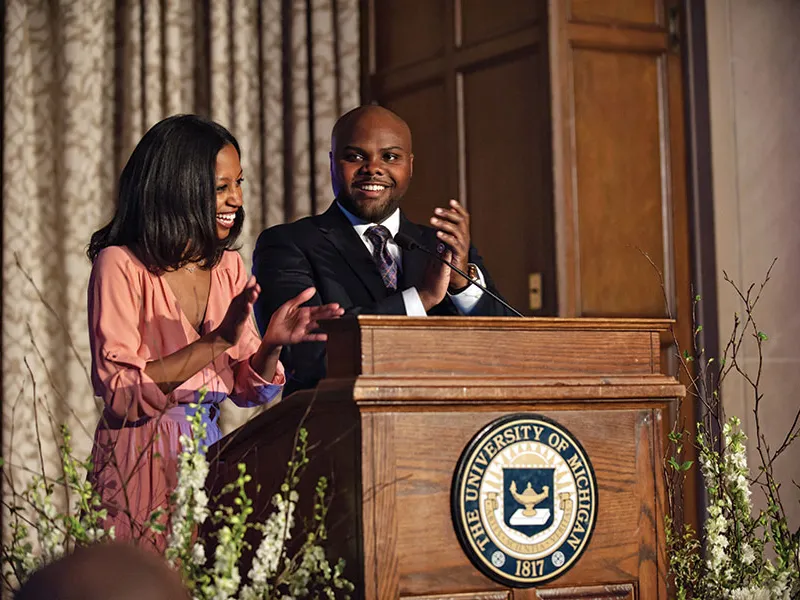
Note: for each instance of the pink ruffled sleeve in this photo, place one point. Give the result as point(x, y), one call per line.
point(115, 321)
point(250, 389)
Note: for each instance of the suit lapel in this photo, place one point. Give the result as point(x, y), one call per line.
point(335, 227)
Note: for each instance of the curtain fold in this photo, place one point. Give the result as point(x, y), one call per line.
point(82, 81)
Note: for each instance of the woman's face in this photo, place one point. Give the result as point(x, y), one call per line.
point(229, 189)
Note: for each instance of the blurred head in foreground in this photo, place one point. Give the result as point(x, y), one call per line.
point(113, 571)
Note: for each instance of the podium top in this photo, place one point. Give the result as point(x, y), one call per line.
point(370, 345)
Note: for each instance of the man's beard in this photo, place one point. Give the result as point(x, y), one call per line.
point(370, 211)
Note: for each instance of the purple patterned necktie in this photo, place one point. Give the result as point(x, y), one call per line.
point(379, 235)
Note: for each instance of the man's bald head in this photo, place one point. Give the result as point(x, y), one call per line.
point(369, 113)
point(371, 162)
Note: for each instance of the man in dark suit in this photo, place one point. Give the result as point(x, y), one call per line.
point(348, 253)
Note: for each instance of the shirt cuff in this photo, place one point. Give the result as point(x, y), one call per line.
point(466, 300)
point(251, 389)
point(413, 304)
point(278, 379)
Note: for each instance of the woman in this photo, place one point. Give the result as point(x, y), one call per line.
point(170, 314)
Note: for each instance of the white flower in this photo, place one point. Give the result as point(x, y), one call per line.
point(277, 531)
point(748, 556)
point(198, 554)
point(749, 594)
point(779, 590)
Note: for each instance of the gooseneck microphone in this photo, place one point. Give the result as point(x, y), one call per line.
point(406, 242)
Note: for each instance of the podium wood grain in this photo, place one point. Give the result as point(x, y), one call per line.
point(403, 399)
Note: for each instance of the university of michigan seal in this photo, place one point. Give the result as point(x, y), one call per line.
point(524, 500)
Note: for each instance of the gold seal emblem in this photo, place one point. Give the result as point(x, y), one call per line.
point(524, 500)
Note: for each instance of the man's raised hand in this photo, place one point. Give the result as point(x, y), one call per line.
point(452, 225)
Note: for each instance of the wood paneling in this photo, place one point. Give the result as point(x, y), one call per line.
point(508, 172)
point(619, 185)
point(424, 108)
point(396, 346)
point(467, 596)
point(640, 12)
point(407, 32)
point(418, 352)
point(427, 445)
point(391, 446)
point(380, 506)
point(619, 154)
point(625, 591)
point(619, 161)
point(479, 24)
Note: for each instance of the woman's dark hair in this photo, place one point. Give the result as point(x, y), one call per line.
point(166, 209)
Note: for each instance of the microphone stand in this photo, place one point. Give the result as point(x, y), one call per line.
point(406, 242)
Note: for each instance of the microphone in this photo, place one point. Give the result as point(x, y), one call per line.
point(406, 242)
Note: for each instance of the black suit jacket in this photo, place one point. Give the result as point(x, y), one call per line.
point(325, 252)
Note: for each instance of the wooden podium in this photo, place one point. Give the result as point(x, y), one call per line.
point(404, 399)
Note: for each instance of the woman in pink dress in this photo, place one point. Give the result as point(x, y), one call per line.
point(170, 314)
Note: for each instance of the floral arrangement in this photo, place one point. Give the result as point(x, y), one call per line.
point(273, 574)
point(33, 517)
point(741, 553)
point(34, 522)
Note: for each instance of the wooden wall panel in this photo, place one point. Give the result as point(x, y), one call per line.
point(625, 591)
point(407, 32)
point(501, 595)
point(381, 574)
point(427, 445)
point(508, 172)
point(424, 109)
point(619, 154)
point(479, 24)
point(642, 12)
point(619, 188)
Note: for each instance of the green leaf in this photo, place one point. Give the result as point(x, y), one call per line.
point(698, 329)
point(687, 465)
point(762, 336)
point(697, 298)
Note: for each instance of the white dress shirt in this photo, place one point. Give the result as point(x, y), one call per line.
point(464, 301)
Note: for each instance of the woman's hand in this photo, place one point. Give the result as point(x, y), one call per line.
point(293, 323)
point(239, 311)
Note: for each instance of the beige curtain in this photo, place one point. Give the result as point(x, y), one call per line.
point(82, 81)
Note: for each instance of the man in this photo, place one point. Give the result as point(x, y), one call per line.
point(348, 253)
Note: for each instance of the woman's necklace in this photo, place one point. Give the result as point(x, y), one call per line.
point(190, 268)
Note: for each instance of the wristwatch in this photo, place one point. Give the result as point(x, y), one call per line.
point(472, 271)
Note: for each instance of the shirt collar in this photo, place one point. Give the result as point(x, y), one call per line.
point(392, 222)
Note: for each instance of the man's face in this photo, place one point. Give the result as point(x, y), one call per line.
point(371, 164)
